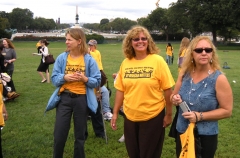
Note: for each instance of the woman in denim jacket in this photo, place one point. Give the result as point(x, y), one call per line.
point(77, 74)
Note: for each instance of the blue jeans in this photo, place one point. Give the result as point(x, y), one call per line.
point(105, 100)
point(169, 60)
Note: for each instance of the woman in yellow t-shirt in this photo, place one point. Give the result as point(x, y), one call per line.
point(183, 47)
point(143, 87)
point(39, 46)
point(169, 52)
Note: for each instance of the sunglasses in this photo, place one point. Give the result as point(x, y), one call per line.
point(138, 39)
point(200, 50)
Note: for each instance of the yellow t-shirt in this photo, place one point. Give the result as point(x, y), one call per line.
point(183, 52)
point(38, 44)
point(73, 66)
point(143, 82)
point(97, 56)
point(2, 123)
point(169, 50)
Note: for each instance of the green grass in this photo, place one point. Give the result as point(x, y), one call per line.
point(29, 133)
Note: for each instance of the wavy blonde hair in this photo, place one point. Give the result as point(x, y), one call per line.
point(134, 32)
point(184, 44)
point(189, 63)
point(77, 34)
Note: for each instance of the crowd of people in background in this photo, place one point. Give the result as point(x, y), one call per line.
point(77, 73)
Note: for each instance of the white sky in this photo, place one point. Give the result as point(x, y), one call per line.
point(89, 11)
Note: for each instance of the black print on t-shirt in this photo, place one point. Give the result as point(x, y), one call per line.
point(138, 72)
point(74, 68)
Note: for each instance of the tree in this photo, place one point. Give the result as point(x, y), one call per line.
point(158, 20)
point(3, 14)
point(214, 15)
point(42, 24)
point(104, 21)
point(20, 18)
point(4, 24)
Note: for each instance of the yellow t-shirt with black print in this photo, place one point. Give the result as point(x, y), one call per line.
point(73, 66)
point(143, 82)
point(97, 57)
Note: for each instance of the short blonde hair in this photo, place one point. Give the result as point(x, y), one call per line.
point(132, 33)
point(77, 34)
point(189, 63)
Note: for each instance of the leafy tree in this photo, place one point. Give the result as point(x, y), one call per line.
point(122, 24)
point(4, 24)
point(20, 19)
point(104, 21)
point(40, 23)
point(3, 14)
point(214, 15)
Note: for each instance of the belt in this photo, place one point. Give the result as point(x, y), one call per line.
point(70, 94)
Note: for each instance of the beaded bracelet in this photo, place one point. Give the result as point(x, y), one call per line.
point(196, 116)
point(201, 116)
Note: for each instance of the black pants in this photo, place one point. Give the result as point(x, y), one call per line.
point(208, 143)
point(67, 108)
point(144, 139)
point(39, 49)
point(97, 122)
point(11, 84)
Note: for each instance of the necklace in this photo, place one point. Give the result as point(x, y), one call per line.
point(192, 90)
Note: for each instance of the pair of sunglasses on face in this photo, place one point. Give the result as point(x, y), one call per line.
point(200, 50)
point(138, 39)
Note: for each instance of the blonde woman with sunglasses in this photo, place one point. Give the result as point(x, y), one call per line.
point(207, 92)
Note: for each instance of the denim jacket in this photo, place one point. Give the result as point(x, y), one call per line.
point(92, 72)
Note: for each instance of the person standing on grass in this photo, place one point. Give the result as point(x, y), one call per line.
point(207, 92)
point(107, 115)
point(10, 57)
point(3, 116)
point(39, 46)
point(169, 52)
point(182, 50)
point(6, 94)
point(77, 74)
point(43, 67)
point(143, 86)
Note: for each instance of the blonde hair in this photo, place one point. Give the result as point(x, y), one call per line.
point(189, 63)
point(184, 44)
point(132, 33)
point(77, 34)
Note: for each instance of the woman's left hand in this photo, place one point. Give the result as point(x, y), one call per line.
point(190, 116)
point(81, 77)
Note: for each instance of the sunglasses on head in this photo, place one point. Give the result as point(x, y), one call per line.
point(200, 50)
point(138, 39)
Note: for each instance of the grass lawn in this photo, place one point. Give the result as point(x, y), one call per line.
point(29, 133)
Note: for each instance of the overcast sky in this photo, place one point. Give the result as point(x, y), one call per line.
point(89, 11)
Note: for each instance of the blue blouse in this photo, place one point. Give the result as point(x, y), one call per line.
point(200, 97)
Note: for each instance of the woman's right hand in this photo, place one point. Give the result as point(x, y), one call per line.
point(176, 99)
point(113, 121)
